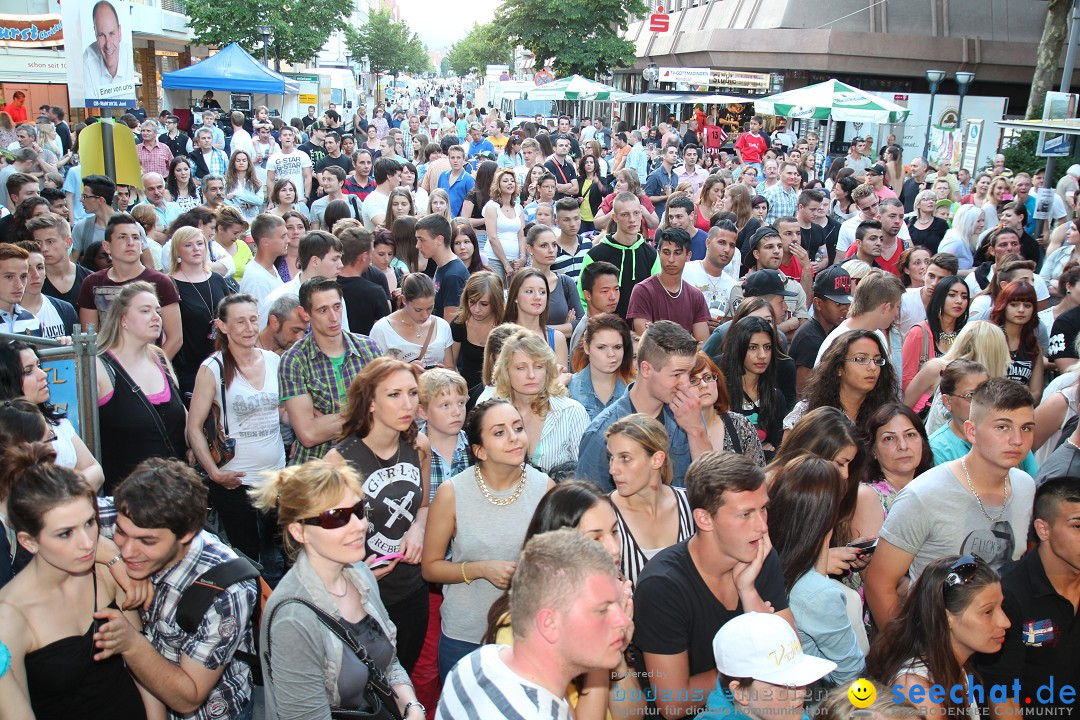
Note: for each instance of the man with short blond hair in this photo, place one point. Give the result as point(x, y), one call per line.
point(63, 278)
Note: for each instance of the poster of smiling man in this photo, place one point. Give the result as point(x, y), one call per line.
point(101, 62)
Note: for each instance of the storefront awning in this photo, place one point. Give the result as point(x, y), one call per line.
point(686, 99)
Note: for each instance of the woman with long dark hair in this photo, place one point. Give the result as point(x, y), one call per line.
point(245, 379)
point(528, 305)
point(854, 375)
point(946, 315)
point(728, 430)
point(47, 610)
point(243, 189)
point(1014, 312)
point(21, 375)
point(593, 189)
point(467, 247)
point(472, 209)
point(182, 187)
point(479, 515)
point(951, 612)
point(381, 442)
point(804, 509)
point(750, 357)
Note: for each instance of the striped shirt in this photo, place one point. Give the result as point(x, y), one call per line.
point(782, 203)
point(570, 265)
point(481, 687)
point(632, 556)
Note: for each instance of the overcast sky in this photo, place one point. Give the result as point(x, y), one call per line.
point(441, 23)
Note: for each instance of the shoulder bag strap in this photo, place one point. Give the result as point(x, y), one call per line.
point(729, 428)
point(224, 410)
point(427, 341)
point(138, 392)
point(924, 355)
point(375, 675)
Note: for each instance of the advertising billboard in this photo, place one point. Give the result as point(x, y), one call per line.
point(100, 57)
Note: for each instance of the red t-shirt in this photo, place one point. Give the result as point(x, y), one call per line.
point(98, 290)
point(793, 269)
point(886, 264)
point(751, 146)
point(715, 137)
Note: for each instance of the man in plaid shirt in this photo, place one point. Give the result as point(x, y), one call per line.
point(783, 197)
point(160, 510)
point(208, 159)
point(315, 373)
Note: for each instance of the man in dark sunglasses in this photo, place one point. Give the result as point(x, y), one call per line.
point(1042, 592)
point(158, 526)
point(978, 503)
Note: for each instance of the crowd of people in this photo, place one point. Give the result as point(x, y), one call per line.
point(417, 412)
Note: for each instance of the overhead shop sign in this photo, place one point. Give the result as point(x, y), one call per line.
point(31, 31)
point(738, 79)
point(688, 75)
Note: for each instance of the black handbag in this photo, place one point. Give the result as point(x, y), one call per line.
point(378, 693)
point(216, 427)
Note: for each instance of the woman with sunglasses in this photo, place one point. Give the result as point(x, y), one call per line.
point(854, 375)
point(382, 444)
point(480, 516)
point(308, 670)
point(951, 612)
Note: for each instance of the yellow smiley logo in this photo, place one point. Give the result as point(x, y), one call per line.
point(862, 693)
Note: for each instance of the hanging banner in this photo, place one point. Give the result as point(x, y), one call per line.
point(691, 76)
point(972, 138)
point(100, 58)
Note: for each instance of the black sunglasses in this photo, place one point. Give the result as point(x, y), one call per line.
point(961, 571)
point(338, 517)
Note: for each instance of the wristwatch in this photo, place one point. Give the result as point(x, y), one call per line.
point(414, 704)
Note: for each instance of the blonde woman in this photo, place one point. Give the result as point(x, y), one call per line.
point(651, 514)
point(963, 237)
point(200, 290)
point(140, 409)
point(526, 375)
point(439, 204)
point(504, 221)
point(323, 520)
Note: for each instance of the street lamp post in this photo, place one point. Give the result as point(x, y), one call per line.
point(963, 82)
point(934, 77)
point(264, 30)
point(650, 74)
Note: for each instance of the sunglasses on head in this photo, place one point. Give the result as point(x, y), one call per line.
point(338, 517)
point(962, 571)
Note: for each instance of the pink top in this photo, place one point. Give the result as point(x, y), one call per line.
point(912, 353)
point(158, 398)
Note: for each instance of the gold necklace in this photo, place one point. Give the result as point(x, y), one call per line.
point(497, 501)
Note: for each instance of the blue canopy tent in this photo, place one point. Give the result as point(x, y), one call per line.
point(231, 69)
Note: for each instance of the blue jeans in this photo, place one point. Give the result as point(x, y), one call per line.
point(450, 651)
point(248, 712)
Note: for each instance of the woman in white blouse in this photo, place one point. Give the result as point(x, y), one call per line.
point(413, 333)
point(526, 375)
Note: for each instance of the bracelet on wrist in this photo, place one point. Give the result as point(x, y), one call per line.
point(113, 561)
point(463, 576)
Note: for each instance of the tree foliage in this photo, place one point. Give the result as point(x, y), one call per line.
point(1046, 57)
point(580, 37)
point(297, 33)
point(390, 46)
point(484, 45)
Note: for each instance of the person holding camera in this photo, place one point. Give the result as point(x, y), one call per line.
point(381, 442)
point(241, 382)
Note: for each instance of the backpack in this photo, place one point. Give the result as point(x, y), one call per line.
point(201, 594)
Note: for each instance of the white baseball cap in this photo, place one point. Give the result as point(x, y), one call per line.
point(763, 646)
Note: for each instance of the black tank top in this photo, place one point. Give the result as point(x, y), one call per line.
point(393, 493)
point(132, 429)
point(64, 681)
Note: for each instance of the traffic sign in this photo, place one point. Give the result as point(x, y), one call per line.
point(543, 77)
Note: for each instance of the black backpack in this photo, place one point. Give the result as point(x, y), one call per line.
point(201, 594)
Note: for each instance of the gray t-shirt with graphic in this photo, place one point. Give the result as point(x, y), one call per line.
point(936, 515)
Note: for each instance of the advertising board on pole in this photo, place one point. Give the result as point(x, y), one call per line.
point(100, 57)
